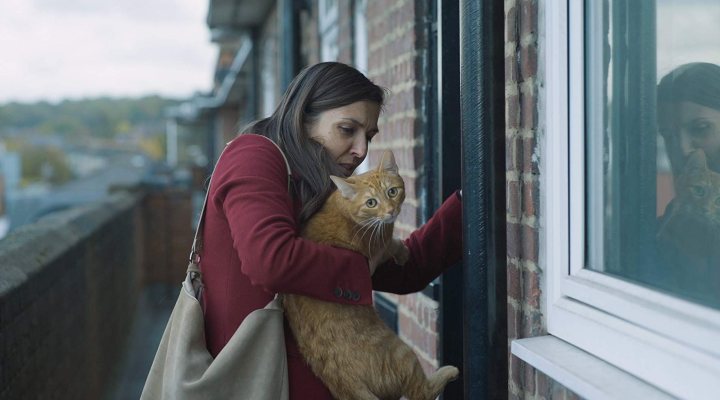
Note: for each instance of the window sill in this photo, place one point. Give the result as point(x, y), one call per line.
point(586, 375)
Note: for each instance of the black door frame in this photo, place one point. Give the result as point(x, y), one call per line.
point(482, 115)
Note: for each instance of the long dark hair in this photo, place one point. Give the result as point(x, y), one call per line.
point(315, 89)
point(697, 82)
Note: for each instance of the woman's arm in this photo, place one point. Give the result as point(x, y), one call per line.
point(434, 247)
point(252, 190)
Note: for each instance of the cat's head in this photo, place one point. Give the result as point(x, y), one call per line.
point(698, 189)
point(374, 196)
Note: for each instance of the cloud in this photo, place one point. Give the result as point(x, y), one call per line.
point(53, 49)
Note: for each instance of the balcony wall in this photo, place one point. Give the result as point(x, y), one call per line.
point(69, 286)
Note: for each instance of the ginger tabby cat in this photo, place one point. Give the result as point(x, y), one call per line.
point(692, 224)
point(348, 346)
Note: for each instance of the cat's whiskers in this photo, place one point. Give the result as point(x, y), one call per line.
point(364, 226)
point(377, 229)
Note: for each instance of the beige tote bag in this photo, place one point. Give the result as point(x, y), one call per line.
point(252, 366)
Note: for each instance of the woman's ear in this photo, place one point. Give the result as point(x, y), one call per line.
point(346, 189)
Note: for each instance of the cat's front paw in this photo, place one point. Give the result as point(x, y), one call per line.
point(400, 252)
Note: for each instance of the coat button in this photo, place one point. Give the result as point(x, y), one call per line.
point(347, 294)
point(355, 296)
point(338, 292)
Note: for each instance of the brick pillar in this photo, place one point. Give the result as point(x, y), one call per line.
point(524, 275)
point(397, 47)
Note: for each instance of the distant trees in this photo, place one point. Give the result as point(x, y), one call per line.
point(40, 131)
point(78, 119)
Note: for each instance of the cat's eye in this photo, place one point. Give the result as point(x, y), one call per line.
point(371, 203)
point(697, 191)
point(392, 192)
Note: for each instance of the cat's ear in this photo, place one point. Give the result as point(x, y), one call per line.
point(387, 162)
point(346, 189)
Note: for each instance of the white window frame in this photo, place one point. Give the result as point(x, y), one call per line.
point(670, 343)
point(360, 33)
point(268, 78)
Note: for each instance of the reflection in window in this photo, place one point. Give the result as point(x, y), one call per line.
point(653, 144)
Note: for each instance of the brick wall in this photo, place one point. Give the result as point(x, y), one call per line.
point(397, 48)
point(525, 277)
point(68, 289)
point(167, 220)
point(69, 286)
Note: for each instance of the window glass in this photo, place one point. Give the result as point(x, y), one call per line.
point(268, 77)
point(328, 26)
point(653, 144)
point(360, 44)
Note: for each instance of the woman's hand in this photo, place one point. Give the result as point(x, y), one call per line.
point(396, 250)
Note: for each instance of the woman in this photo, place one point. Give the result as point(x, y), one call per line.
point(689, 231)
point(252, 250)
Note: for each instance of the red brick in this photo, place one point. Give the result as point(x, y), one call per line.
point(513, 199)
point(528, 378)
point(514, 290)
point(530, 193)
point(513, 144)
point(528, 61)
point(513, 240)
point(511, 69)
point(529, 243)
point(531, 288)
point(512, 119)
point(528, 17)
point(528, 113)
point(511, 29)
point(514, 322)
point(516, 366)
point(529, 160)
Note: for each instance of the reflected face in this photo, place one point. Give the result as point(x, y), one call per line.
point(688, 126)
point(346, 131)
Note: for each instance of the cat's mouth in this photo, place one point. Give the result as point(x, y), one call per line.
point(390, 218)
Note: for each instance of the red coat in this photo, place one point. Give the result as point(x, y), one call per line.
point(252, 251)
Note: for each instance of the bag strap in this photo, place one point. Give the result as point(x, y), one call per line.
point(193, 266)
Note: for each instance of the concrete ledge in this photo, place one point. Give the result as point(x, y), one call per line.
point(29, 248)
point(68, 291)
point(580, 372)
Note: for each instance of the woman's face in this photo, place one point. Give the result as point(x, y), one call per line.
point(688, 126)
point(346, 131)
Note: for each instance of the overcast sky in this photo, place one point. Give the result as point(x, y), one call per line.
point(56, 49)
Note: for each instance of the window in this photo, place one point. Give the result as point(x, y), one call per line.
point(328, 24)
point(268, 78)
point(633, 268)
point(360, 39)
